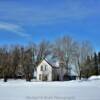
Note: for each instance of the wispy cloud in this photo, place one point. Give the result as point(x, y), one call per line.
point(13, 28)
point(36, 14)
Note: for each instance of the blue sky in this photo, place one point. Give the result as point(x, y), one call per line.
point(22, 21)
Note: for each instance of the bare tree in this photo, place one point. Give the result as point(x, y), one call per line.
point(42, 51)
point(28, 64)
point(64, 50)
point(5, 62)
point(15, 59)
point(85, 49)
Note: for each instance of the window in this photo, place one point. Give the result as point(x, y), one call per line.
point(41, 68)
point(45, 67)
point(39, 76)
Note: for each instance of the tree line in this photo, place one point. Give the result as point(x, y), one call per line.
point(64, 49)
point(91, 66)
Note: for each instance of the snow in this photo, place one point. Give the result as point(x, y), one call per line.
point(68, 90)
point(94, 78)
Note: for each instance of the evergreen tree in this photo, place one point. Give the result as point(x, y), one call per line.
point(99, 63)
point(96, 64)
point(86, 69)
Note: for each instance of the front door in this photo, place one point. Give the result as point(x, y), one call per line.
point(44, 77)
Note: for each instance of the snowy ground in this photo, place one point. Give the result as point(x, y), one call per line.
point(71, 90)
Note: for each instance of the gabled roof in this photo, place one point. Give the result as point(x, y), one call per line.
point(48, 63)
point(53, 66)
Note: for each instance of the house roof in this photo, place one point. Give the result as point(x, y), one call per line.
point(53, 66)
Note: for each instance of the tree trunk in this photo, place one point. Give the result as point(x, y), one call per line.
point(61, 74)
point(80, 75)
point(5, 78)
point(80, 72)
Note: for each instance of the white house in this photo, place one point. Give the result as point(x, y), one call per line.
point(44, 71)
point(50, 72)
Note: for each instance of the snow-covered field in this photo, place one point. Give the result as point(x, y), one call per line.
point(71, 90)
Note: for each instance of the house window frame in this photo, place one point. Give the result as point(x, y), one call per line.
point(42, 68)
point(40, 77)
point(45, 67)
